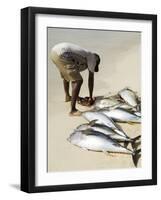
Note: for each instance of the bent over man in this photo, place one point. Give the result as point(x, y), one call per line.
point(71, 59)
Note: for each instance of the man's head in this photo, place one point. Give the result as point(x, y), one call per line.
point(97, 62)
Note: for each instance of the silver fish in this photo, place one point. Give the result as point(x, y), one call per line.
point(101, 118)
point(112, 103)
point(121, 115)
point(129, 96)
point(104, 129)
point(96, 141)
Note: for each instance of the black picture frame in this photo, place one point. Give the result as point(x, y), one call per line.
point(28, 98)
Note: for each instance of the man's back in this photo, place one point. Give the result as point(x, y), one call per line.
point(82, 55)
point(64, 47)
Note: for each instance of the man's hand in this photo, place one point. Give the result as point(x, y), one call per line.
point(90, 101)
point(86, 101)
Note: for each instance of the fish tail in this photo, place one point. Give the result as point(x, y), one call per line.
point(135, 156)
point(136, 138)
point(134, 142)
point(126, 143)
point(91, 123)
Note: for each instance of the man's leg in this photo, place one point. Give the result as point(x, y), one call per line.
point(66, 90)
point(76, 85)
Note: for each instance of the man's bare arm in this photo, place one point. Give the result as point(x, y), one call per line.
point(91, 84)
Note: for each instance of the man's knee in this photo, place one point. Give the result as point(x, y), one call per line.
point(78, 82)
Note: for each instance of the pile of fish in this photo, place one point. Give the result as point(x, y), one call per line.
point(102, 133)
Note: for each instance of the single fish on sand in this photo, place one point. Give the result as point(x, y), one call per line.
point(101, 118)
point(96, 141)
point(121, 115)
point(104, 129)
point(129, 96)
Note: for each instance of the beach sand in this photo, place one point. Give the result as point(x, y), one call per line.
point(119, 68)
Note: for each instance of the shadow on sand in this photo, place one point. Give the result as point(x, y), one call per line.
point(15, 186)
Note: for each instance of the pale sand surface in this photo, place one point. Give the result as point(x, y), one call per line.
point(64, 156)
point(121, 69)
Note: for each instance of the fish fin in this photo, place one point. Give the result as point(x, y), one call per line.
point(115, 106)
point(135, 145)
point(126, 143)
point(136, 138)
point(113, 97)
point(136, 156)
point(108, 153)
point(128, 88)
point(91, 123)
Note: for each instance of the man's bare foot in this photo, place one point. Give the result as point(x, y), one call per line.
point(67, 98)
point(75, 113)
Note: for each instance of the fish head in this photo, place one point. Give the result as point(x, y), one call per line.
point(75, 137)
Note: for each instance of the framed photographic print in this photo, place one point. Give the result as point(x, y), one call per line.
point(88, 99)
